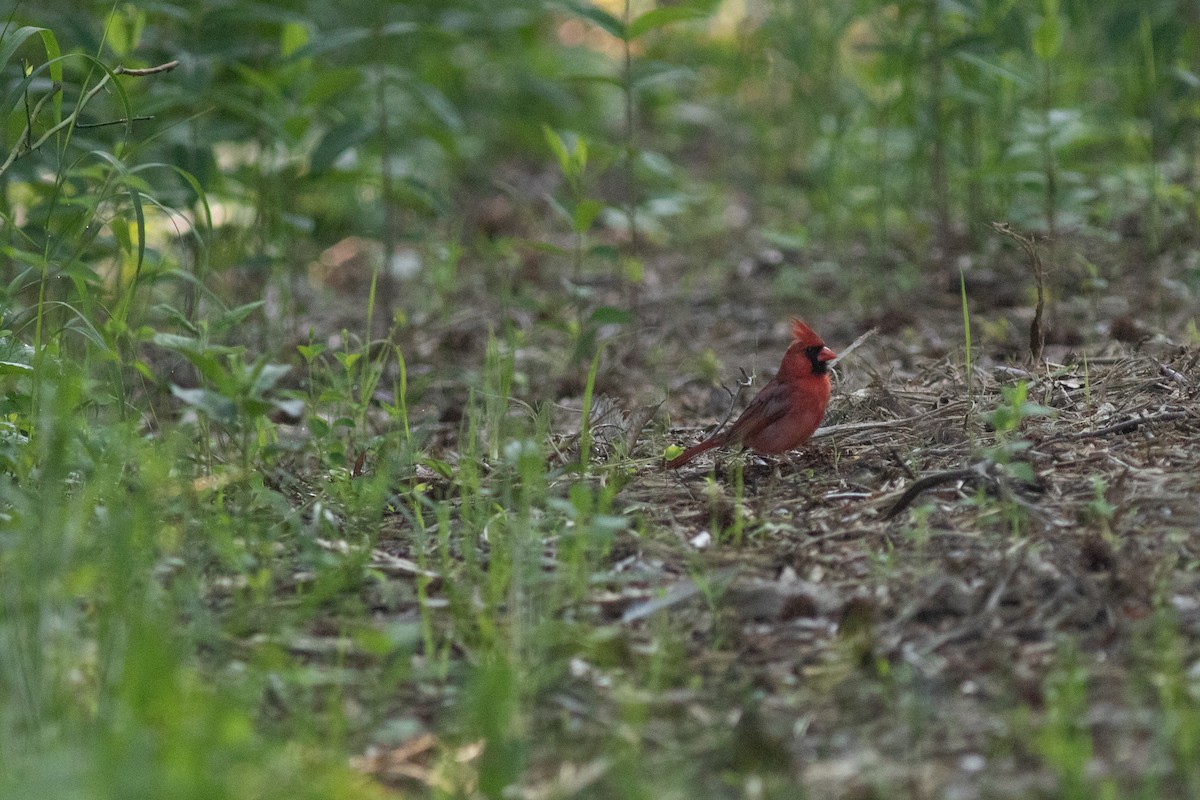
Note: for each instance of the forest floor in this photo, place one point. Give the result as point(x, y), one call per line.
point(979, 579)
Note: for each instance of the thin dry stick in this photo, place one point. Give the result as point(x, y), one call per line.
point(1122, 427)
point(842, 356)
point(847, 428)
point(141, 73)
point(24, 144)
point(742, 385)
point(975, 472)
point(121, 121)
point(1037, 336)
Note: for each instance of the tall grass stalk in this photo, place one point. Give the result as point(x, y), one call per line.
point(970, 367)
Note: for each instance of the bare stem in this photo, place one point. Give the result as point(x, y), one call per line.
point(25, 145)
point(1037, 333)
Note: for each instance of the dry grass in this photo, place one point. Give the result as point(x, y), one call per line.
point(960, 595)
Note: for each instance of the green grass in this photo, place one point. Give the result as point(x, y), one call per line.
point(236, 563)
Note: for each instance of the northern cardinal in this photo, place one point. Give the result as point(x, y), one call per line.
point(787, 410)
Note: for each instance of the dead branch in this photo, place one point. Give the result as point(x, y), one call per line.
point(25, 144)
point(1037, 334)
point(1122, 427)
point(976, 472)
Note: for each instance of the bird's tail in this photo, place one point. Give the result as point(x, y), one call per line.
point(695, 450)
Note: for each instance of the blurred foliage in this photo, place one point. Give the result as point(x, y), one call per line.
point(158, 553)
point(304, 122)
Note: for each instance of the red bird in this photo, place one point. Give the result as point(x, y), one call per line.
point(787, 410)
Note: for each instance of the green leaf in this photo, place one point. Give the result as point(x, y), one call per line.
point(796, 239)
point(236, 316)
point(180, 344)
point(10, 43)
point(1035, 410)
point(295, 36)
point(558, 146)
point(602, 18)
point(15, 368)
point(207, 402)
point(441, 107)
point(605, 251)
point(1022, 471)
point(309, 352)
point(293, 408)
point(585, 214)
point(254, 408)
point(350, 38)
point(269, 376)
point(660, 17)
point(560, 209)
point(610, 315)
point(993, 68)
point(1047, 37)
point(329, 83)
point(664, 75)
point(336, 141)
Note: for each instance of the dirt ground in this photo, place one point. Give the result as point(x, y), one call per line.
point(902, 604)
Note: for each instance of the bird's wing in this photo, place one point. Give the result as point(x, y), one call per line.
point(768, 407)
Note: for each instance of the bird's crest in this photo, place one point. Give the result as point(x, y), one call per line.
point(804, 334)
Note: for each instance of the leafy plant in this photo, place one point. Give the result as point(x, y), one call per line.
point(1006, 421)
point(1064, 740)
point(580, 210)
point(237, 395)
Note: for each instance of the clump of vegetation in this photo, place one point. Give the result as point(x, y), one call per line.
point(339, 345)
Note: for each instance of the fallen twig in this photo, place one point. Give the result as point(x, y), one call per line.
point(1121, 427)
point(842, 356)
point(976, 472)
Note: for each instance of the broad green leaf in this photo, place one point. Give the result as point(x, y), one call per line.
point(350, 37)
point(665, 15)
point(330, 82)
point(796, 239)
point(602, 18)
point(14, 40)
point(180, 344)
point(309, 352)
point(558, 146)
point(124, 32)
point(1021, 471)
point(336, 141)
point(664, 75)
point(207, 402)
point(579, 157)
point(558, 208)
point(611, 315)
point(993, 68)
point(236, 316)
point(606, 80)
point(14, 368)
point(293, 408)
point(9, 44)
point(633, 269)
point(606, 251)
point(441, 107)
point(585, 214)
point(269, 376)
point(1047, 38)
point(295, 36)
